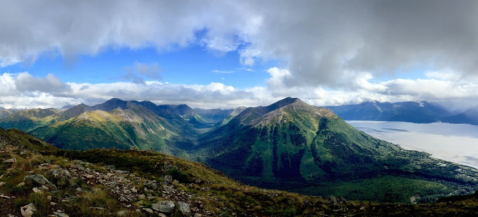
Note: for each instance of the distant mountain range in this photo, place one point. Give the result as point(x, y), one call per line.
point(287, 145)
point(415, 112)
point(6, 112)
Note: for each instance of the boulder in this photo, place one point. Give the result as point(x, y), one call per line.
point(60, 214)
point(168, 179)
point(122, 213)
point(40, 179)
point(148, 210)
point(164, 206)
point(184, 208)
point(333, 199)
point(13, 160)
point(28, 210)
point(37, 190)
point(61, 173)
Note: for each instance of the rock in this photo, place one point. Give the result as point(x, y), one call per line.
point(168, 179)
point(40, 179)
point(2, 183)
point(148, 210)
point(60, 214)
point(110, 167)
point(28, 210)
point(184, 208)
point(164, 206)
point(121, 172)
point(61, 173)
point(161, 215)
point(122, 213)
point(52, 203)
point(13, 160)
point(37, 190)
point(333, 199)
point(343, 200)
point(197, 215)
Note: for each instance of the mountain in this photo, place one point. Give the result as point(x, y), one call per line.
point(128, 126)
point(66, 107)
point(111, 182)
point(21, 140)
point(6, 112)
point(187, 113)
point(182, 110)
point(295, 146)
point(422, 112)
point(231, 115)
point(30, 119)
point(469, 116)
point(213, 115)
point(288, 145)
point(173, 117)
point(74, 111)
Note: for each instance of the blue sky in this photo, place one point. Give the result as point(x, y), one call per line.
point(194, 64)
point(212, 54)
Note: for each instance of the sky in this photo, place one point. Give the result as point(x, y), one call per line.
point(224, 54)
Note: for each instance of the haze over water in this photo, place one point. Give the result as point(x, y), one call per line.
point(452, 142)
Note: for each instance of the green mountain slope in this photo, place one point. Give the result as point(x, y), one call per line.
point(213, 115)
point(20, 139)
point(133, 127)
point(187, 129)
point(230, 116)
point(30, 119)
point(87, 184)
point(6, 112)
point(292, 145)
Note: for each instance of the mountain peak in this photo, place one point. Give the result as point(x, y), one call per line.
point(285, 102)
point(115, 100)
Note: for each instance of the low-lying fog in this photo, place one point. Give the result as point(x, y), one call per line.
point(452, 142)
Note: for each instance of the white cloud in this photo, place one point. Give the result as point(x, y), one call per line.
point(141, 71)
point(24, 90)
point(50, 84)
point(222, 71)
point(328, 43)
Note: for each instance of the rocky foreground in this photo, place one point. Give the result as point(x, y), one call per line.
point(36, 179)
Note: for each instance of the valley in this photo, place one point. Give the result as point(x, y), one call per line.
point(288, 145)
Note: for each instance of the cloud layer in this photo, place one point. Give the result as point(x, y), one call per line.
point(23, 90)
point(322, 42)
point(329, 51)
